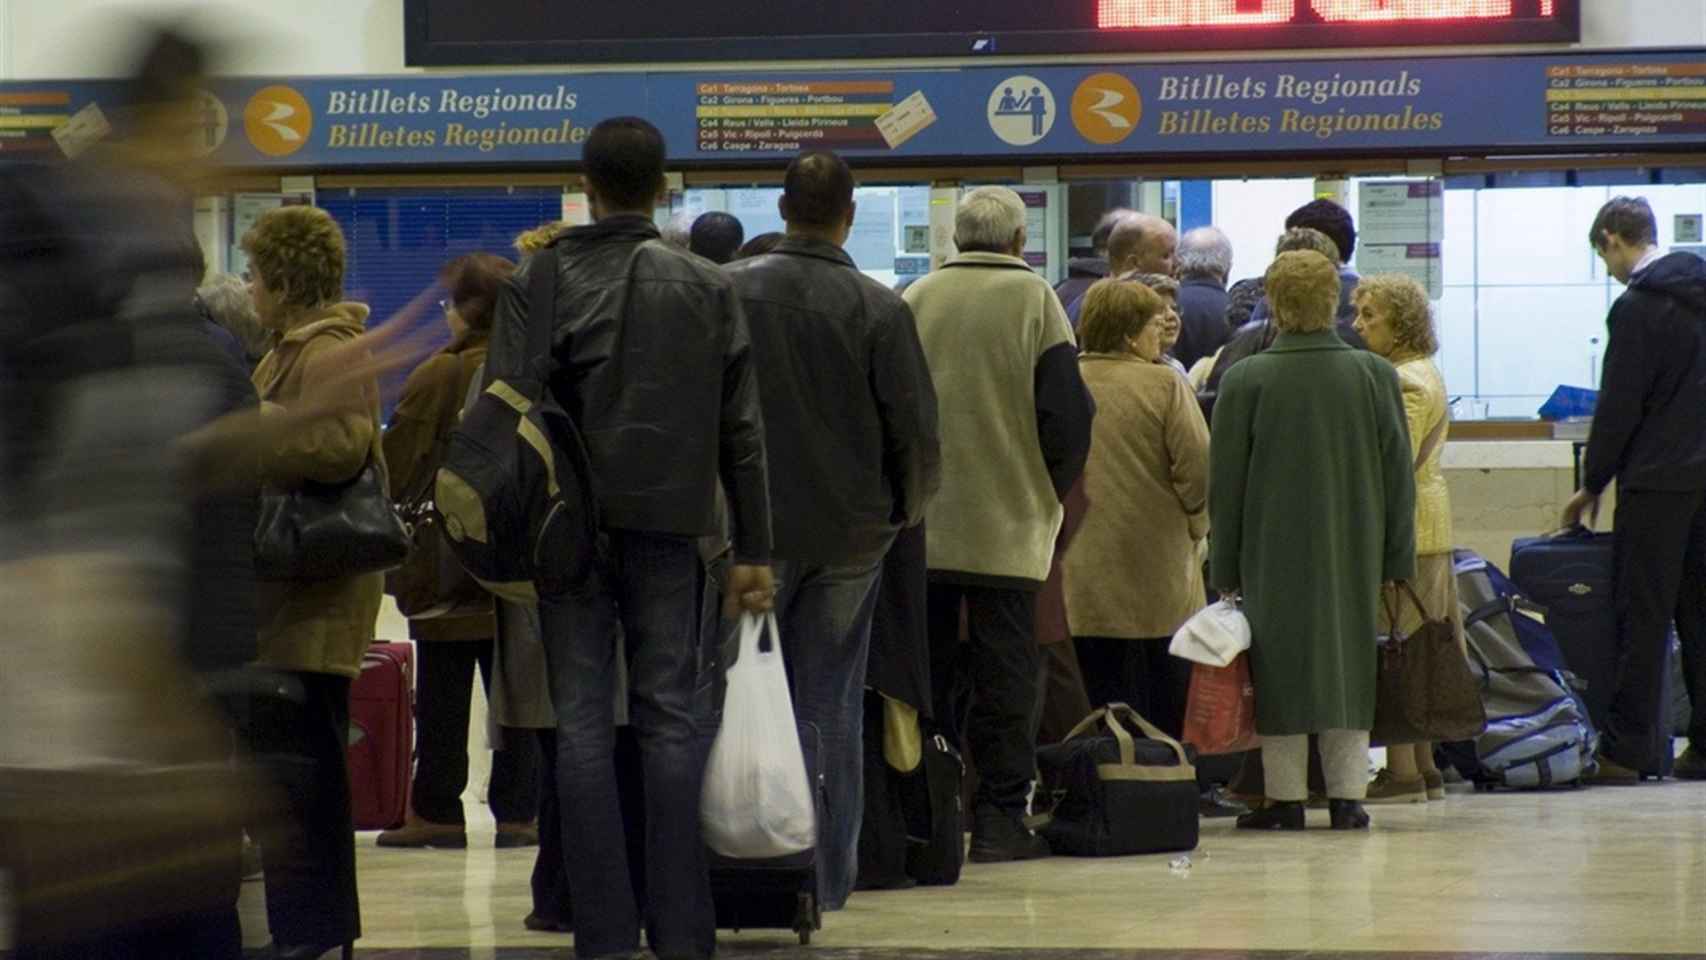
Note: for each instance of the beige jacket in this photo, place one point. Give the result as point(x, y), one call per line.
point(985, 319)
point(323, 626)
point(1133, 570)
point(1424, 407)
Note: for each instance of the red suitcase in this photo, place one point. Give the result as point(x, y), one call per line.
point(382, 736)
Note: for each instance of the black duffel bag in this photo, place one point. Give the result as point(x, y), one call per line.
point(1123, 788)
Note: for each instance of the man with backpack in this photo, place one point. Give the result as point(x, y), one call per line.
point(1647, 435)
point(650, 358)
point(852, 412)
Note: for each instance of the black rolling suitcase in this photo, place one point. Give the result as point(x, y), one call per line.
point(779, 893)
point(1571, 576)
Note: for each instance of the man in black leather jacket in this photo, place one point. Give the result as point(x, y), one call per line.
point(850, 409)
point(652, 360)
point(1648, 436)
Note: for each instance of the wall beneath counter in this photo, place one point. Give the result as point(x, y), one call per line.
point(1502, 490)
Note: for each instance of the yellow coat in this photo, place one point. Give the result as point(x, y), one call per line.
point(321, 626)
point(1424, 407)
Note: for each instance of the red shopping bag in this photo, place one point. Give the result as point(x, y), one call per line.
point(1220, 713)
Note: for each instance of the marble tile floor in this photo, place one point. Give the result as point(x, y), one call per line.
point(1604, 872)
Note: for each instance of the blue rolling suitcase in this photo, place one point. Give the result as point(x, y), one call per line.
point(1571, 576)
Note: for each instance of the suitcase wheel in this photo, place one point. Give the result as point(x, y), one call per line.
point(808, 917)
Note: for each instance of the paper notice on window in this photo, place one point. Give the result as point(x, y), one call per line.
point(907, 118)
point(86, 128)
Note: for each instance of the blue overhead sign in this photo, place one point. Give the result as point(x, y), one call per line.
point(1562, 102)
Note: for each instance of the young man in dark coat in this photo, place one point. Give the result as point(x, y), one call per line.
point(834, 349)
point(1648, 435)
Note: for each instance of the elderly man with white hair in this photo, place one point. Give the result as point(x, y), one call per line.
point(1205, 265)
point(1015, 432)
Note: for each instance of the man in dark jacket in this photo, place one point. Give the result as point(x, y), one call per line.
point(1205, 265)
point(851, 412)
point(651, 359)
point(1649, 436)
point(1081, 272)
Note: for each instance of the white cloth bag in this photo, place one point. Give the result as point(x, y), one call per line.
point(757, 802)
point(1215, 636)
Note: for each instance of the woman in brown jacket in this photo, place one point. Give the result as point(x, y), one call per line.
point(451, 647)
point(314, 630)
point(1133, 575)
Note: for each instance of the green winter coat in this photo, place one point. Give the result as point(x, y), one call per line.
point(1312, 502)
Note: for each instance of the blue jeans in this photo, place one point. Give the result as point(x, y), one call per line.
point(652, 598)
point(825, 615)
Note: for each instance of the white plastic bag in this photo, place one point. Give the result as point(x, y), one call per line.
point(1215, 636)
point(757, 802)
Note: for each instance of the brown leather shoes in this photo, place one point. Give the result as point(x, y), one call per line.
point(417, 833)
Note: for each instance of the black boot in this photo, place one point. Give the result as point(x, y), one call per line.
point(998, 836)
point(1288, 816)
point(1348, 815)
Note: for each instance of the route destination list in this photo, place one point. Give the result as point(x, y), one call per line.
point(783, 116)
point(1623, 100)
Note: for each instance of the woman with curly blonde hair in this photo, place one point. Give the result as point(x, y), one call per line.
point(1393, 317)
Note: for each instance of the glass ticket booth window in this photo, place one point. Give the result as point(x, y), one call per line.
point(891, 231)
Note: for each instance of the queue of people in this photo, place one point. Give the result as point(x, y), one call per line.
point(771, 432)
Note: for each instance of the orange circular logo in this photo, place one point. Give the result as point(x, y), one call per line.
point(1106, 108)
point(278, 121)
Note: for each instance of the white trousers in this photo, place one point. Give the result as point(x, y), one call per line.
point(1344, 759)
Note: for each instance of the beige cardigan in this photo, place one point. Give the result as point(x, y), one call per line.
point(1133, 571)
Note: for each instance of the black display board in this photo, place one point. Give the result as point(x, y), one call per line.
point(442, 33)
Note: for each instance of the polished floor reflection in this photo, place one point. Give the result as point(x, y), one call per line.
point(1618, 871)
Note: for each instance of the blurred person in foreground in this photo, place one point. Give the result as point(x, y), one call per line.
point(1015, 431)
point(832, 346)
point(120, 823)
point(1312, 500)
point(654, 362)
point(452, 647)
point(1394, 320)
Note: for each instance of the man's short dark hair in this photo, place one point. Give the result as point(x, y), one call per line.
point(818, 190)
point(1332, 220)
point(1627, 218)
point(624, 160)
point(716, 236)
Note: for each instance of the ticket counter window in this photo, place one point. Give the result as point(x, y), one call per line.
point(1522, 304)
point(891, 230)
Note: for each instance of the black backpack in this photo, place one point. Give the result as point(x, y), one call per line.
point(516, 486)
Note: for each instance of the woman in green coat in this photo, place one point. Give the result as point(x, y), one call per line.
point(1312, 503)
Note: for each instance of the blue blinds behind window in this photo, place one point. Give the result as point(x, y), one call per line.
point(398, 238)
